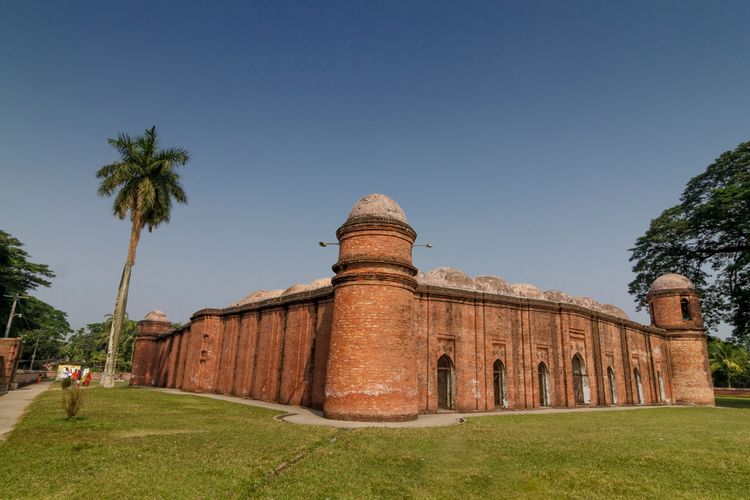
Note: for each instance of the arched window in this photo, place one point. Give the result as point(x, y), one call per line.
point(581, 389)
point(543, 374)
point(662, 394)
point(685, 306)
point(638, 386)
point(499, 384)
point(612, 385)
point(446, 383)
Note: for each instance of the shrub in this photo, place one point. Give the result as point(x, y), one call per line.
point(66, 382)
point(72, 400)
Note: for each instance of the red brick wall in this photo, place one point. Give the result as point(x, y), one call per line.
point(279, 350)
point(10, 352)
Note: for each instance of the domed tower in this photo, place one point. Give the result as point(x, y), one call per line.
point(143, 371)
point(675, 307)
point(372, 361)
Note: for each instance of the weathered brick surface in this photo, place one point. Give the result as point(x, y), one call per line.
point(368, 347)
point(10, 352)
point(145, 368)
point(687, 350)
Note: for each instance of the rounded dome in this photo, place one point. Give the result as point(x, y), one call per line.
point(527, 290)
point(447, 277)
point(156, 315)
point(377, 205)
point(614, 311)
point(258, 296)
point(670, 281)
point(299, 287)
point(319, 283)
point(558, 296)
point(587, 302)
point(493, 284)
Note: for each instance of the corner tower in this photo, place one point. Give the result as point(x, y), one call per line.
point(372, 361)
point(144, 369)
point(675, 306)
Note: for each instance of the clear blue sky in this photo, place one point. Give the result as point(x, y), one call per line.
point(531, 140)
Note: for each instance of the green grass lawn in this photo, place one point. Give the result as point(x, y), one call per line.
point(138, 443)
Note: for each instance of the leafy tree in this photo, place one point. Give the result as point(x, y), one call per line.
point(89, 345)
point(17, 275)
point(728, 361)
point(707, 238)
point(43, 329)
point(144, 181)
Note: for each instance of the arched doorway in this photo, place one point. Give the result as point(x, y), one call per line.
point(581, 390)
point(662, 393)
point(543, 375)
point(638, 386)
point(446, 383)
point(499, 384)
point(612, 385)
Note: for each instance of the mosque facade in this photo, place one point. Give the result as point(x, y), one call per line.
point(382, 341)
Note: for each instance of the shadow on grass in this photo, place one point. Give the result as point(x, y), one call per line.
point(733, 402)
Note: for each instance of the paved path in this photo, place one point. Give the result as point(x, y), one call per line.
point(307, 416)
point(14, 403)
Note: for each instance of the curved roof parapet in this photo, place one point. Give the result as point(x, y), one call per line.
point(493, 284)
point(377, 205)
point(527, 290)
point(670, 281)
point(258, 296)
point(558, 296)
point(614, 311)
point(156, 315)
point(448, 277)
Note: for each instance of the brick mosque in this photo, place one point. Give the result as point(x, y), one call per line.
point(381, 341)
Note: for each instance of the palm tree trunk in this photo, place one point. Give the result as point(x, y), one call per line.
point(118, 318)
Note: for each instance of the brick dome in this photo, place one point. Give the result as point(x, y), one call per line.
point(156, 315)
point(527, 290)
point(671, 281)
point(493, 284)
point(447, 277)
point(377, 205)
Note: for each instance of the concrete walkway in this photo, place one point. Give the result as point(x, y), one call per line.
point(14, 403)
point(307, 416)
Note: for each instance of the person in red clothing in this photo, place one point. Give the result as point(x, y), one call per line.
point(87, 379)
point(76, 375)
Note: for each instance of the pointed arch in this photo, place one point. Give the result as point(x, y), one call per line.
point(500, 384)
point(581, 389)
point(543, 375)
point(612, 386)
point(446, 383)
point(685, 308)
point(638, 386)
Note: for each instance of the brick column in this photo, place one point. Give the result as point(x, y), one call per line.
point(675, 307)
point(145, 369)
point(372, 363)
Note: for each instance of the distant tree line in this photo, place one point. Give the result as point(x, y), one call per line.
point(44, 329)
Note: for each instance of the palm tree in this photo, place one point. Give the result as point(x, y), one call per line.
point(145, 182)
point(727, 358)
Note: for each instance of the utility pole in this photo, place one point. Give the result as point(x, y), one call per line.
point(12, 313)
point(33, 356)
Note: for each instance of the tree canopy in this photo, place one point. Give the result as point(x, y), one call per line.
point(18, 274)
point(39, 320)
point(706, 237)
